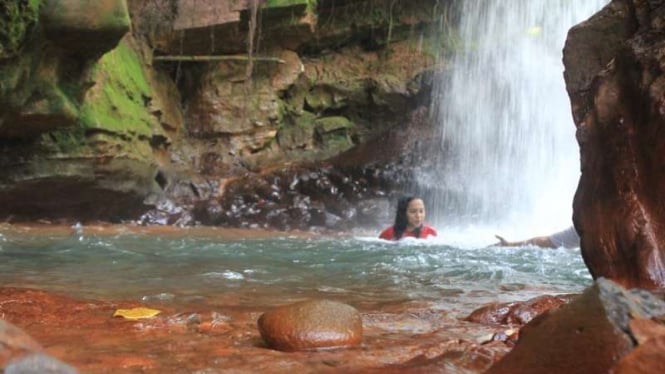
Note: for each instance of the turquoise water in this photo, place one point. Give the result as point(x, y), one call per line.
point(211, 270)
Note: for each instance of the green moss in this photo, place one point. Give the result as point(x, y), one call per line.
point(333, 124)
point(305, 120)
point(117, 101)
point(16, 19)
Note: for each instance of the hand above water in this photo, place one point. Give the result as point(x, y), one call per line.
point(502, 242)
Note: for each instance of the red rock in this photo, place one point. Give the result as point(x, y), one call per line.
point(516, 313)
point(578, 338)
point(84, 334)
point(645, 329)
point(648, 358)
point(616, 90)
point(311, 324)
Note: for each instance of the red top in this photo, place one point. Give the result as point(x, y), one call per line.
point(425, 231)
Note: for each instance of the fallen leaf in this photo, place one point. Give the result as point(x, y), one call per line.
point(136, 313)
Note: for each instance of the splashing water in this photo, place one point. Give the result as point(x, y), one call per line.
point(508, 159)
point(203, 268)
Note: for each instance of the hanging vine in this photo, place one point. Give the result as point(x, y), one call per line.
point(251, 35)
point(249, 68)
point(390, 21)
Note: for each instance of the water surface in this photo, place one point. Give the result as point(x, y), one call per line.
point(214, 269)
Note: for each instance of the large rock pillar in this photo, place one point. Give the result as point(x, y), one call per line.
point(614, 75)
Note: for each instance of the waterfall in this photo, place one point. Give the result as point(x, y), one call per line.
point(508, 157)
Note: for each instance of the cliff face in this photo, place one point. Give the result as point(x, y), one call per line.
point(73, 126)
point(100, 122)
point(615, 78)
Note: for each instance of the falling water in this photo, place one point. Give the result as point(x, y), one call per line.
point(508, 157)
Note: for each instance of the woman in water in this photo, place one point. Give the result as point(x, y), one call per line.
point(409, 221)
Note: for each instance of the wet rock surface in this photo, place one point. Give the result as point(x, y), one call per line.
point(621, 330)
point(311, 324)
point(646, 358)
point(596, 323)
point(517, 313)
point(614, 77)
point(96, 122)
point(356, 189)
point(210, 335)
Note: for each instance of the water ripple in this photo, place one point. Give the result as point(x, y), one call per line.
point(129, 265)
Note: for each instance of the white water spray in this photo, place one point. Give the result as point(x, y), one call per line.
point(509, 160)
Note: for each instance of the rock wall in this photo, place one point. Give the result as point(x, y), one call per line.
point(116, 107)
point(324, 78)
point(615, 78)
point(74, 130)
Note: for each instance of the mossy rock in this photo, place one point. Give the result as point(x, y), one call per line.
point(334, 133)
point(325, 97)
point(117, 101)
point(17, 17)
point(299, 135)
point(87, 28)
point(333, 124)
point(287, 3)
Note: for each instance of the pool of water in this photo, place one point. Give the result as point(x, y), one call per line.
point(218, 269)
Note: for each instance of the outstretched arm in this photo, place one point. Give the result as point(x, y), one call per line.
point(540, 241)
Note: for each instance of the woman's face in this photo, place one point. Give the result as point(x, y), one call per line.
point(415, 214)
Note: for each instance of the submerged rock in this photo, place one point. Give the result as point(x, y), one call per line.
point(312, 324)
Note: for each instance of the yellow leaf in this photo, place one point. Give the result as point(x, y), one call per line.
point(136, 313)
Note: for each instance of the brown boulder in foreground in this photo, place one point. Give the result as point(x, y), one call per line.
point(311, 324)
point(590, 335)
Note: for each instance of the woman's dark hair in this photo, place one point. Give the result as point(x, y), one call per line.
point(401, 220)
